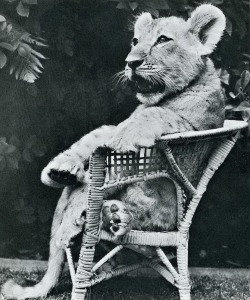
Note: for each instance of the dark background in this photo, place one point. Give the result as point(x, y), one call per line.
point(88, 42)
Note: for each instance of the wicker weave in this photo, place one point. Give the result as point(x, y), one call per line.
point(190, 159)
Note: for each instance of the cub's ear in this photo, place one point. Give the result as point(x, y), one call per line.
point(143, 20)
point(207, 23)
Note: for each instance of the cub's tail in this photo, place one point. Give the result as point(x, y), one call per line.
point(56, 262)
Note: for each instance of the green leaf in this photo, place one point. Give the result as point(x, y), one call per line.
point(3, 147)
point(27, 156)
point(229, 107)
point(244, 105)
point(7, 46)
point(224, 76)
point(22, 10)
point(232, 95)
point(246, 115)
point(3, 59)
point(245, 79)
point(11, 149)
point(24, 51)
point(133, 5)
point(238, 86)
point(2, 19)
point(9, 28)
point(123, 5)
point(229, 27)
point(246, 55)
point(3, 26)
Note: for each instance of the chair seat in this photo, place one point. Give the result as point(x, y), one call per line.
point(143, 238)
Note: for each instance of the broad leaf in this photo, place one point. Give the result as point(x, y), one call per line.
point(3, 59)
point(245, 79)
point(229, 27)
point(6, 46)
point(133, 5)
point(27, 156)
point(11, 149)
point(244, 105)
point(22, 10)
point(2, 19)
point(246, 115)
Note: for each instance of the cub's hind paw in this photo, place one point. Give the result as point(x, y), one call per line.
point(116, 218)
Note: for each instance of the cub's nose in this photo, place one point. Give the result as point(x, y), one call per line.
point(134, 64)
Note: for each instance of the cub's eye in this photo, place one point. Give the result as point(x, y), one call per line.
point(163, 39)
point(135, 41)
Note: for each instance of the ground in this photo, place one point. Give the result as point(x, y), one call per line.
point(125, 288)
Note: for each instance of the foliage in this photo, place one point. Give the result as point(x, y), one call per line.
point(19, 45)
point(22, 6)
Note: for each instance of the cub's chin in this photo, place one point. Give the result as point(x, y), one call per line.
point(146, 91)
point(150, 98)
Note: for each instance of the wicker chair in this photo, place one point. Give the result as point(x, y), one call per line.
point(189, 159)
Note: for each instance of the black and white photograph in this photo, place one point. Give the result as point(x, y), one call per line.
point(125, 149)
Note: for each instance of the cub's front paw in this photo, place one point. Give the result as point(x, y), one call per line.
point(63, 171)
point(131, 139)
point(116, 218)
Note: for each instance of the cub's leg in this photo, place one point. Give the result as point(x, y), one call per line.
point(69, 167)
point(67, 223)
point(149, 205)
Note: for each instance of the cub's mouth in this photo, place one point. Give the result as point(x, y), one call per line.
point(143, 86)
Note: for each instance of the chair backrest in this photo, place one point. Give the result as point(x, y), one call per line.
point(191, 151)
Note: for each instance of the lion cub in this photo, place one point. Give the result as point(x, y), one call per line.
point(179, 89)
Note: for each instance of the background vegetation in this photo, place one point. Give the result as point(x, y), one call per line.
point(57, 59)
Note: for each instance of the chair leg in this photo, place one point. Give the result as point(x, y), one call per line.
point(183, 283)
point(83, 275)
point(185, 294)
point(82, 296)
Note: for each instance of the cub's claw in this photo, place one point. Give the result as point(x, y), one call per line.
point(62, 177)
point(116, 218)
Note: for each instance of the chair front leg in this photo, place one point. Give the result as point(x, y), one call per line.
point(92, 227)
point(183, 282)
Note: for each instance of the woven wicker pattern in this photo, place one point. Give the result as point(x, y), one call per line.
point(152, 161)
point(190, 160)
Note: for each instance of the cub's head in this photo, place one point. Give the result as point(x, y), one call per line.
point(168, 53)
